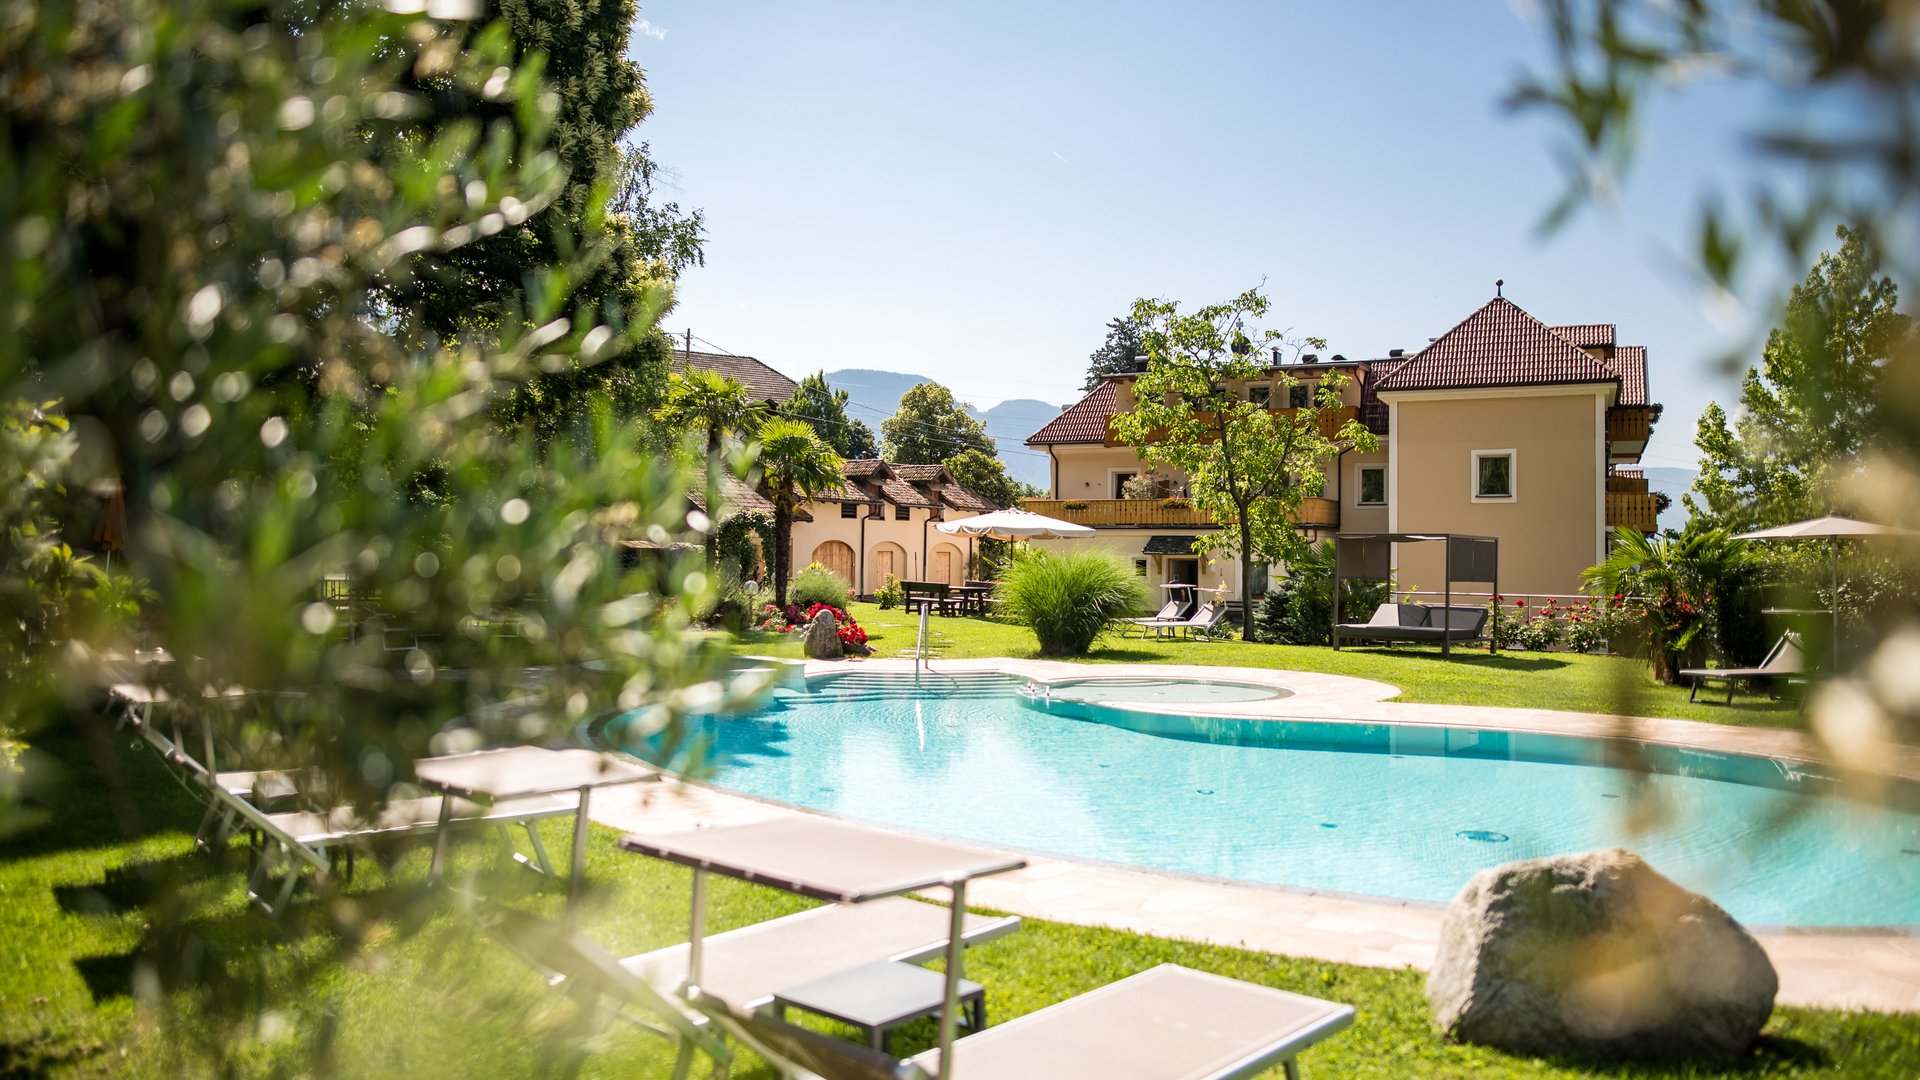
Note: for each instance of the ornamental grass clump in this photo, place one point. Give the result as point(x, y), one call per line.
point(1070, 599)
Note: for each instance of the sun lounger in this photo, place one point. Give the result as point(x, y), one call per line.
point(746, 967)
point(1168, 613)
point(1416, 623)
point(1168, 1021)
point(1785, 661)
point(741, 969)
point(293, 841)
point(1204, 623)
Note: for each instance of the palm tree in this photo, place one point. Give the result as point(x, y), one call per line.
point(709, 400)
point(1674, 578)
point(798, 465)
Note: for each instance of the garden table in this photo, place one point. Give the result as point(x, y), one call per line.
point(972, 599)
point(488, 776)
point(832, 861)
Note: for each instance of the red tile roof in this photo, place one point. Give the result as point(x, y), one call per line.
point(1630, 361)
point(1498, 345)
point(1083, 422)
point(1587, 334)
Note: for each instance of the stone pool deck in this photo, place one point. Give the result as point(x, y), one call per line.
point(1876, 969)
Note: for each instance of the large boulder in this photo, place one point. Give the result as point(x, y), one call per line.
point(823, 638)
point(1597, 954)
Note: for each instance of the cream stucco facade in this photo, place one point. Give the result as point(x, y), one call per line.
point(1503, 427)
point(1550, 528)
point(882, 522)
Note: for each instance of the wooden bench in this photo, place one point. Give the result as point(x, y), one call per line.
point(935, 593)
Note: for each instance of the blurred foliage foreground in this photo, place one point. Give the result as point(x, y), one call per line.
point(207, 209)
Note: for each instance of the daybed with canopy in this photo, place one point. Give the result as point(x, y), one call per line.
point(1369, 556)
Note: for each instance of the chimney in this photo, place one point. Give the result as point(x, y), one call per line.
point(1276, 356)
point(1395, 354)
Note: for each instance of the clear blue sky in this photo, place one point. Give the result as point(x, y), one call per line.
point(970, 191)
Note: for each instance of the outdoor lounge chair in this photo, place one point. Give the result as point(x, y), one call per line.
point(1203, 623)
point(1785, 661)
point(297, 840)
point(292, 842)
point(1417, 623)
point(746, 967)
point(1168, 1021)
point(741, 969)
point(1168, 613)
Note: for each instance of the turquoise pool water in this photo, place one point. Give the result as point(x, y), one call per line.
point(1401, 812)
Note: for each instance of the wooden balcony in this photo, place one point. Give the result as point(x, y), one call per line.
point(1633, 509)
point(1634, 485)
point(1629, 425)
point(1156, 514)
point(1331, 421)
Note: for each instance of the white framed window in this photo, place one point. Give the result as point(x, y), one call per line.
point(1496, 476)
point(1373, 485)
point(1260, 395)
point(1117, 482)
point(1300, 396)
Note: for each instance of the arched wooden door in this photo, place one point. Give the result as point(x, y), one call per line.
point(948, 565)
point(885, 558)
point(837, 557)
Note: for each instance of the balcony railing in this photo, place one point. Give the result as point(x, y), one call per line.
point(1629, 425)
point(1634, 509)
point(1161, 513)
point(1634, 484)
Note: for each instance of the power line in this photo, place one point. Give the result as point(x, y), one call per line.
point(920, 426)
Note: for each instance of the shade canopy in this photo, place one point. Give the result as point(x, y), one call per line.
point(1823, 528)
point(1016, 525)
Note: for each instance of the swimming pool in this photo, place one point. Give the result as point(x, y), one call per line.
point(1404, 812)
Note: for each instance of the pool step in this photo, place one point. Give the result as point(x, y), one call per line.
point(877, 686)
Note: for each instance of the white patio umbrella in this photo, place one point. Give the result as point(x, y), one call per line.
point(1833, 528)
point(1016, 525)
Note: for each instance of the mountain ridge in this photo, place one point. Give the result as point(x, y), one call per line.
point(874, 395)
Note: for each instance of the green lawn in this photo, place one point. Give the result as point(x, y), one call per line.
point(1576, 683)
point(415, 990)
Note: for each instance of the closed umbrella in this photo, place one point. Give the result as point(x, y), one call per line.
point(111, 531)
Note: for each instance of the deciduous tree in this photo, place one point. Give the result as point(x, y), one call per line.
point(930, 426)
point(985, 476)
point(826, 410)
point(1248, 465)
point(1807, 411)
